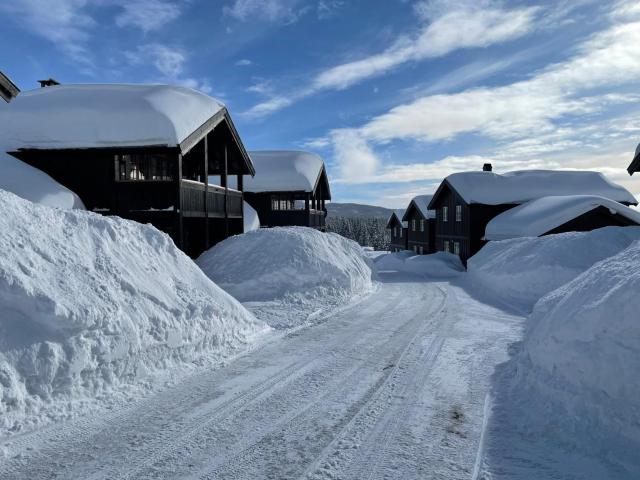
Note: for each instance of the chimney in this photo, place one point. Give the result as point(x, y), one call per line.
point(8, 90)
point(49, 82)
point(487, 167)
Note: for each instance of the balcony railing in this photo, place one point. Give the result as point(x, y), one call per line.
point(193, 200)
point(303, 218)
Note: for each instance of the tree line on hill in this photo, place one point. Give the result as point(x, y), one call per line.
point(368, 232)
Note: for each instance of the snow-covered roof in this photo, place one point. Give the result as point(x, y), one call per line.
point(398, 213)
point(521, 186)
point(542, 215)
point(635, 163)
point(421, 202)
point(284, 170)
point(91, 116)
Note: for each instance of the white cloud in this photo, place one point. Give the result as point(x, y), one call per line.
point(263, 10)
point(328, 8)
point(464, 27)
point(64, 24)
point(352, 154)
point(244, 62)
point(147, 14)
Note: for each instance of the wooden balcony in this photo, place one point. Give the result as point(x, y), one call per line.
point(302, 218)
point(198, 201)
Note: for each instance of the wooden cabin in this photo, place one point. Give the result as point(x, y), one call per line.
point(398, 230)
point(634, 166)
point(560, 214)
point(289, 188)
point(421, 225)
point(466, 202)
point(8, 90)
point(142, 152)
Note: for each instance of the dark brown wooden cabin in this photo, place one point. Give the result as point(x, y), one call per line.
point(421, 225)
point(634, 166)
point(8, 90)
point(460, 225)
point(290, 188)
point(166, 186)
point(398, 230)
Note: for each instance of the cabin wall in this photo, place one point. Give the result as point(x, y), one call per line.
point(452, 231)
point(399, 237)
point(597, 218)
point(261, 202)
point(419, 240)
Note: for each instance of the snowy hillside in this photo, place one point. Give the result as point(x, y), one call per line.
point(91, 307)
point(357, 210)
point(287, 273)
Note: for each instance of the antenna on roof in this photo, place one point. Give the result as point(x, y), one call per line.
point(487, 167)
point(49, 82)
point(8, 89)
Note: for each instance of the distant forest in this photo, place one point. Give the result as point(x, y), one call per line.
point(368, 232)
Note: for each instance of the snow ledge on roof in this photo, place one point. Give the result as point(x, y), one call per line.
point(542, 215)
point(421, 202)
point(284, 171)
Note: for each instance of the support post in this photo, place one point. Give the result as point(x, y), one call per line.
point(225, 184)
point(178, 208)
point(207, 242)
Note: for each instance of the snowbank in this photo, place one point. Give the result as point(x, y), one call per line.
point(439, 264)
point(92, 306)
point(34, 185)
point(299, 267)
point(576, 376)
point(251, 219)
point(522, 270)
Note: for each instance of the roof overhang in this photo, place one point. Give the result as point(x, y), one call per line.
point(635, 165)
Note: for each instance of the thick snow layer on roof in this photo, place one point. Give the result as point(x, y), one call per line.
point(85, 116)
point(539, 216)
point(521, 186)
point(251, 220)
point(284, 170)
point(422, 202)
point(35, 185)
point(521, 270)
point(93, 308)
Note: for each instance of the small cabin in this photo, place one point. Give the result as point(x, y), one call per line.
point(289, 188)
point(421, 225)
point(560, 214)
point(635, 163)
point(398, 230)
point(466, 202)
point(142, 152)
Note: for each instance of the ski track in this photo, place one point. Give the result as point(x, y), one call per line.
point(392, 387)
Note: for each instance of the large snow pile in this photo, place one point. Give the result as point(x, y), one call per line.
point(35, 185)
point(439, 264)
point(92, 307)
point(522, 270)
point(575, 378)
point(299, 267)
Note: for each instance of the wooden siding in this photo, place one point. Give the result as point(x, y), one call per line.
point(399, 236)
point(303, 217)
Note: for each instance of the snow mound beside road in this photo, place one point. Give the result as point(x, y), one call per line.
point(295, 270)
point(91, 307)
point(522, 270)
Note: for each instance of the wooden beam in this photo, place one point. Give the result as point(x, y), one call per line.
point(179, 232)
point(225, 184)
point(207, 243)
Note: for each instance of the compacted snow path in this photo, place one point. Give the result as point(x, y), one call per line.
point(392, 387)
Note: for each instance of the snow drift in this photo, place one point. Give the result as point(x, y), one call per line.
point(522, 270)
point(92, 306)
point(575, 378)
point(35, 185)
point(250, 217)
point(437, 265)
point(299, 267)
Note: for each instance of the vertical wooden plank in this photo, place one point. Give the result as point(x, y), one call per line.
point(225, 183)
point(178, 181)
point(207, 242)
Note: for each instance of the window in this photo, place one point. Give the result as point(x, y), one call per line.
point(415, 248)
point(456, 248)
point(458, 213)
point(446, 245)
point(445, 214)
point(400, 228)
point(421, 250)
point(413, 224)
point(422, 225)
point(143, 167)
point(281, 203)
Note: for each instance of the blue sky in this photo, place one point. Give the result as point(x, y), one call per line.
point(394, 94)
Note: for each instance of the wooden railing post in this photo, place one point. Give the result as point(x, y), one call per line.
point(225, 184)
point(179, 233)
point(207, 243)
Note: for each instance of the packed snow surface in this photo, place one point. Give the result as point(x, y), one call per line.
point(92, 306)
point(250, 217)
point(284, 170)
point(84, 116)
point(521, 186)
point(34, 185)
point(439, 264)
point(521, 270)
point(421, 202)
point(542, 215)
point(296, 268)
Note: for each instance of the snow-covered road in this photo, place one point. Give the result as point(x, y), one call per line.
point(392, 387)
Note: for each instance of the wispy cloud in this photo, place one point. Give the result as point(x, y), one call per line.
point(280, 11)
point(244, 62)
point(147, 14)
point(468, 27)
